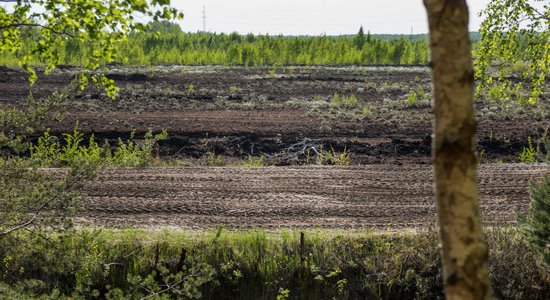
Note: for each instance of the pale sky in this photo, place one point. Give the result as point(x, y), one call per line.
point(312, 17)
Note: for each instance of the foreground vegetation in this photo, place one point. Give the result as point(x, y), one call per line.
point(252, 264)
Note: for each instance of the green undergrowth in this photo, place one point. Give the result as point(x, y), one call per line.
point(251, 264)
point(51, 151)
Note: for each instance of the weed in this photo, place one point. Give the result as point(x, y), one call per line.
point(495, 93)
point(342, 101)
point(214, 160)
point(283, 294)
point(422, 93)
point(252, 161)
point(131, 154)
point(481, 156)
point(191, 88)
point(50, 152)
point(335, 100)
point(412, 99)
point(233, 90)
point(503, 93)
point(366, 111)
point(528, 154)
point(333, 157)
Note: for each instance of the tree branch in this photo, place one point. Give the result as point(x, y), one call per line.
point(69, 184)
point(541, 15)
point(22, 225)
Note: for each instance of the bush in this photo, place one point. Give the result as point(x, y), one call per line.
point(333, 157)
point(252, 264)
point(538, 220)
point(50, 152)
point(412, 99)
point(528, 154)
point(131, 154)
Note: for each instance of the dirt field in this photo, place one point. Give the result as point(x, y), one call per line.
point(237, 112)
point(376, 196)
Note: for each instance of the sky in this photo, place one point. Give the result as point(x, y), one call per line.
point(312, 17)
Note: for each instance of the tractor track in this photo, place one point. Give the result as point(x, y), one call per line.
point(358, 197)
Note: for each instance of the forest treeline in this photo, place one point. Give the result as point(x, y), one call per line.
point(166, 43)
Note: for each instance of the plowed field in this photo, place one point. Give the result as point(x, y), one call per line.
point(236, 113)
point(375, 196)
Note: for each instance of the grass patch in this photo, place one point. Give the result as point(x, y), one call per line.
point(343, 101)
point(333, 158)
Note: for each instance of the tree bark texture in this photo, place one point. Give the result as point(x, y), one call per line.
point(464, 250)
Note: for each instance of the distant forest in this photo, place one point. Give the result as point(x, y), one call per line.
point(166, 43)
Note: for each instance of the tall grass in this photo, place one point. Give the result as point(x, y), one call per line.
point(255, 264)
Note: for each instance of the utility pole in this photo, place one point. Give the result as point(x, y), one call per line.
point(204, 18)
point(411, 37)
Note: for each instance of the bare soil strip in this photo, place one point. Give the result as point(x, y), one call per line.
point(359, 197)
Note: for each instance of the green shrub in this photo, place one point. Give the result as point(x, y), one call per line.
point(37, 199)
point(366, 111)
point(342, 101)
point(495, 93)
point(50, 152)
point(132, 154)
point(422, 93)
point(214, 160)
point(333, 157)
point(191, 88)
point(538, 220)
point(233, 90)
point(528, 155)
point(412, 99)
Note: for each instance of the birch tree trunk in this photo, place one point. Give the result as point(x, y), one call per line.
point(464, 250)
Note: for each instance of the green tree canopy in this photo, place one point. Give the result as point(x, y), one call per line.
point(515, 40)
point(360, 39)
point(34, 29)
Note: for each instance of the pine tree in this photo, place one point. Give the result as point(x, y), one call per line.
point(360, 39)
point(538, 221)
